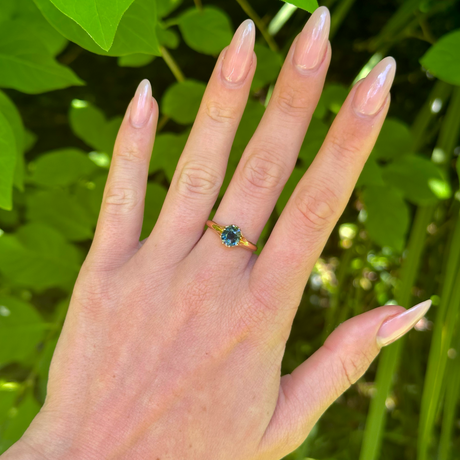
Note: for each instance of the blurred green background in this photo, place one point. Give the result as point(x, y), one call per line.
point(65, 86)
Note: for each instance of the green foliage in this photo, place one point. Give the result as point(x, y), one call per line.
point(307, 5)
point(442, 58)
point(207, 30)
point(396, 242)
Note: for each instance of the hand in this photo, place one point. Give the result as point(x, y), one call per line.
point(172, 348)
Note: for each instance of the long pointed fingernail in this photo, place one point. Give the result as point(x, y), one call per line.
point(312, 42)
point(141, 107)
point(238, 57)
point(395, 327)
point(373, 91)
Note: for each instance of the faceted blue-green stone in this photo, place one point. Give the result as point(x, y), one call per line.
point(231, 235)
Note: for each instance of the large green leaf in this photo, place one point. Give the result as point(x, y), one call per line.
point(28, 66)
point(166, 152)
point(207, 30)
point(39, 257)
point(63, 211)
point(387, 216)
point(21, 329)
point(167, 6)
point(11, 113)
point(136, 32)
point(442, 59)
point(90, 125)
point(181, 100)
point(394, 140)
point(418, 178)
point(8, 154)
point(99, 18)
point(61, 167)
point(307, 5)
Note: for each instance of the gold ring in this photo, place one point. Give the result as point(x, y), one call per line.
point(231, 236)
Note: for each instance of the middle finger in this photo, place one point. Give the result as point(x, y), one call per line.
point(271, 154)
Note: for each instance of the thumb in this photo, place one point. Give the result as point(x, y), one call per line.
point(339, 363)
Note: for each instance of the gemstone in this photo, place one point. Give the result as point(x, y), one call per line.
point(231, 235)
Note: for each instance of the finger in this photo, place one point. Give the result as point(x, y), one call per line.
point(201, 169)
point(320, 197)
point(270, 156)
point(346, 354)
point(120, 219)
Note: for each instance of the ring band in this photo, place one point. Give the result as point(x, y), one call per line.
point(231, 236)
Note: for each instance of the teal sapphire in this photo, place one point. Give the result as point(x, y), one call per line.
point(231, 235)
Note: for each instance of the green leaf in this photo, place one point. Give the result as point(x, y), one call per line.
point(8, 154)
point(11, 113)
point(63, 211)
point(181, 100)
point(99, 18)
point(8, 394)
point(168, 37)
point(39, 257)
point(136, 32)
point(61, 168)
point(312, 142)
point(167, 6)
point(166, 152)
point(21, 329)
point(90, 125)
point(289, 188)
point(207, 31)
point(371, 174)
point(418, 178)
point(268, 66)
point(307, 5)
point(394, 140)
point(442, 60)
point(18, 421)
point(387, 216)
point(135, 60)
point(27, 64)
point(90, 194)
point(332, 98)
point(154, 199)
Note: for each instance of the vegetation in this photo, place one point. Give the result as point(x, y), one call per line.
point(67, 77)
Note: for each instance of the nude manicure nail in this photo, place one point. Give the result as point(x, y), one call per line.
point(312, 42)
point(238, 57)
point(374, 90)
point(395, 327)
point(141, 105)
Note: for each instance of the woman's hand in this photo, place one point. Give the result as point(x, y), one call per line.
point(172, 348)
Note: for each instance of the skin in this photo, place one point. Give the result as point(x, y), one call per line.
point(172, 347)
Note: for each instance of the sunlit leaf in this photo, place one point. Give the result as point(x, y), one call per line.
point(442, 60)
point(135, 60)
point(207, 30)
point(154, 199)
point(8, 156)
point(394, 140)
point(99, 18)
point(27, 64)
point(307, 5)
point(268, 66)
point(167, 151)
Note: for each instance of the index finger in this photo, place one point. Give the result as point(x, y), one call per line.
point(283, 268)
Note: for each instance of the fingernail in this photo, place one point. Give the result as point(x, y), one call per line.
point(238, 58)
point(395, 327)
point(312, 42)
point(142, 105)
point(374, 90)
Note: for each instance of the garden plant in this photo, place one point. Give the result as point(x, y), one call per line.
point(68, 69)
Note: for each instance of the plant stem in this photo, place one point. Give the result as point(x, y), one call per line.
point(172, 64)
point(198, 4)
point(280, 18)
point(247, 8)
point(339, 14)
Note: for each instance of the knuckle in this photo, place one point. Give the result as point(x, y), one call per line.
point(219, 113)
point(291, 101)
point(263, 172)
point(198, 180)
point(317, 208)
point(120, 199)
point(344, 148)
point(130, 154)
